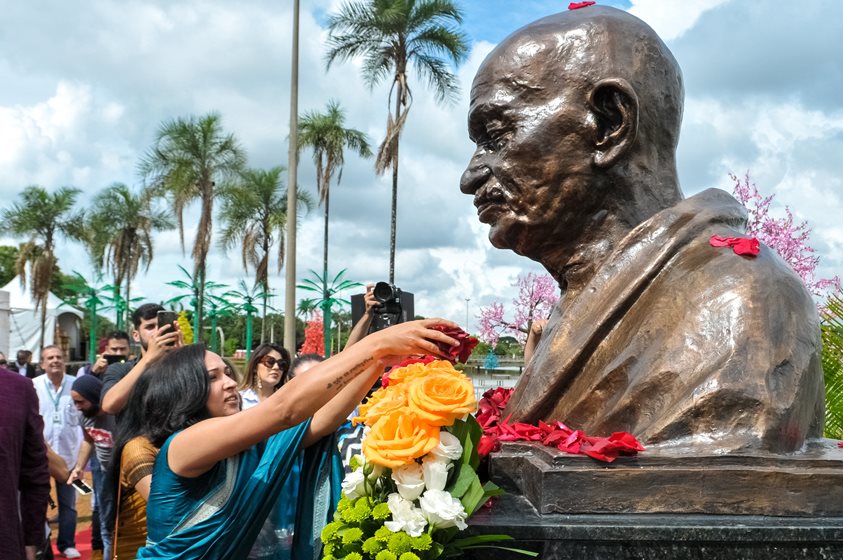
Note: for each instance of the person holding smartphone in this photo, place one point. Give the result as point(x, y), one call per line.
point(155, 340)
point(98, 428)
point(116, 350)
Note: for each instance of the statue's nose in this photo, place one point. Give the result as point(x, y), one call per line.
point(474, 176)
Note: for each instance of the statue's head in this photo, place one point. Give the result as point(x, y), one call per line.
point(572, 116)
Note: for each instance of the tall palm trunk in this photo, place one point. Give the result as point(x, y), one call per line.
point(128, 303)
point(326, 315)
point(263, 280)
point(43, 319)
point(394, 219)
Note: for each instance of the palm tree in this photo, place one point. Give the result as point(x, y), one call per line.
point(391, 35)
point(328, 300)
point(190, 158)
point(129, 221)
point(43, 217)
point(254, 215)
point(325, 135)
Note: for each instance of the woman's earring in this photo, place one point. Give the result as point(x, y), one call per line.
point(260, 385)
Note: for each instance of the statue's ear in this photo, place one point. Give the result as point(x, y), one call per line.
point(615, 107)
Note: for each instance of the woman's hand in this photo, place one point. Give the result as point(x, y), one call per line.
point(411, 338)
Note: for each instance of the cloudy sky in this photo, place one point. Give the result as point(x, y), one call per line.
point(85, 86)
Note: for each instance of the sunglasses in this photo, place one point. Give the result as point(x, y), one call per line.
point(271, 362)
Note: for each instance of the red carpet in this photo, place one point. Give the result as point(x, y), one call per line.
point(83, 544)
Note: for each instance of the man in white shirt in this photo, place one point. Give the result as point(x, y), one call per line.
point(63, 434)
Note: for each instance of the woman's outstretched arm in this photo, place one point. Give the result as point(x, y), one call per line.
point(342, 379)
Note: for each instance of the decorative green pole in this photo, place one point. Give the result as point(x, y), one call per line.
point(326, 324)
point(92, 330)
point(214, 338)
point(248, 335)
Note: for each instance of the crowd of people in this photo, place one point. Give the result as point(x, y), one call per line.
point(188, 458)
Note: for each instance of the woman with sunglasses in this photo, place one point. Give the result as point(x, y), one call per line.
point(265, 373)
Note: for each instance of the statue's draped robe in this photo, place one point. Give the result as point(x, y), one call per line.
point(681, 343)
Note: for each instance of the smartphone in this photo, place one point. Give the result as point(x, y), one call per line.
point(113, 359)
point(167, 318)
point(82, 487)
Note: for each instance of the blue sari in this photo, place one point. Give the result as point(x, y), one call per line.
point(220, 513)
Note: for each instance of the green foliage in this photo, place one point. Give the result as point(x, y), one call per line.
point(43, 217)
point(391, 36)
point(122, 224)
point(832, 358)
point(190, 159)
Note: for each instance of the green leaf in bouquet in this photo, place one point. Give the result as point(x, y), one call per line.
point(529, 553)
point(469, 432)
point(462, 481)
point(480, 539)
point(474, 497)
point(490, 489)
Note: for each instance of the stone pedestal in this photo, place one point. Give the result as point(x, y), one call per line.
point(655, 536)
point(808, 483)
point(667, 504)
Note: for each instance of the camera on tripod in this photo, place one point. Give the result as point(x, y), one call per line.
point(395, 306)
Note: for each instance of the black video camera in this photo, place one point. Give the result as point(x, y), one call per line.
point(396, 306)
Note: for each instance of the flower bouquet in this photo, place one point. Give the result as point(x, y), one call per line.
point(413, 490)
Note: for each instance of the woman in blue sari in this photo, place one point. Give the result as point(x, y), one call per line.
point(221, 471)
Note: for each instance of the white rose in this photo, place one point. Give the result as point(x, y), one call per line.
point(354, 484)
point(405, 516)
point(442, 510)
point(449, 447)
point(408, 479)
point(435, 472)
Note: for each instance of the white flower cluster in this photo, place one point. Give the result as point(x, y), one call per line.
point(426, 483)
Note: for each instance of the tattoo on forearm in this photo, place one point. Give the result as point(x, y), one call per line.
point(346, 377)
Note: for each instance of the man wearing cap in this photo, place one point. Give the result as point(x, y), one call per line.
point(98, 428)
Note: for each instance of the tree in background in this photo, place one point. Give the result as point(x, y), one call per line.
point(390, 36)
point(254, 215)
point(44, 218)
point(537, 294)
point(126, 222)
point(245, 301)
point(790, 240)
point(190, 159)
point(326, 136)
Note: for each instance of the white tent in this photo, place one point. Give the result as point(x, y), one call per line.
point(25, 322)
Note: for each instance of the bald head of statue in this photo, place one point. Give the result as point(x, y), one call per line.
point(576, 119)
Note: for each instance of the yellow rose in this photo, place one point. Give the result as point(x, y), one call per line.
point(405, 374)
point(441, 398)
point(382, 402)
point(397, 438)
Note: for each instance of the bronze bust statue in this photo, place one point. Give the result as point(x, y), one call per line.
point(576, 119)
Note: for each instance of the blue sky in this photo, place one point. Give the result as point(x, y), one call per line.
point(86, 86)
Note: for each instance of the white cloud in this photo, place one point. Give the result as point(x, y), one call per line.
point(672, 18)
point(89, 96)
